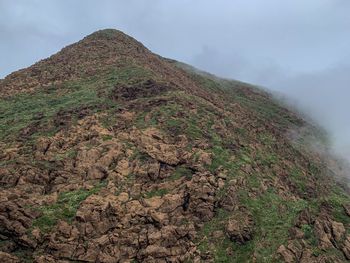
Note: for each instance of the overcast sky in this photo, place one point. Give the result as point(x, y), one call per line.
point(299, 47)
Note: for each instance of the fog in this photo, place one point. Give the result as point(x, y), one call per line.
point(324, 95)
point(297, 47)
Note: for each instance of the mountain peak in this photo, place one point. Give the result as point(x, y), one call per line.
point(112, 35)
point(95, 53)
point(105, 143)
point(100, 52)
point(108, 33)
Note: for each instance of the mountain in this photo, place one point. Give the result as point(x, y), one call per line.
point(110, 153)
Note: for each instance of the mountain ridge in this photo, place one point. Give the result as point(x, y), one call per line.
point(110, 153)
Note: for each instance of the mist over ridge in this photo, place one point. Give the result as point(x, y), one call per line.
point(302, 50)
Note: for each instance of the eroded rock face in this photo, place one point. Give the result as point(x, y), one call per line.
point(6, 257)
point(328, 233)
point(134, 229)
point(111, 227)
point(346, 247)
point(151, 143)
point(240, 226)
point(148, 88)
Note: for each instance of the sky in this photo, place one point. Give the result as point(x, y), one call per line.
point(297, 47)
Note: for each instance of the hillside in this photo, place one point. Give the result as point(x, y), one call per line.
point(110, 153)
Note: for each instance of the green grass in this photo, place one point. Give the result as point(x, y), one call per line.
point(216, 224)
point(259, 102)
point(64, 209)
point(17, 112)
point(180, 172)
point(309, 234)
point(70, 154)
point(298, 179)
point(158, 192)
point(220, 158)
point(106, 137)
point(273, 218)
point(337, 198)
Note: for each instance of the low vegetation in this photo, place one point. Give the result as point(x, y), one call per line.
point(64, 209)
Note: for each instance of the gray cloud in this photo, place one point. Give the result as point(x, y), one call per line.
point(325, 96)
point(298, 47)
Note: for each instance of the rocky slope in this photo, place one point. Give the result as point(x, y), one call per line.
point(110, 153)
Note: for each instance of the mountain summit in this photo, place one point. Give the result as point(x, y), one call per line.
point(110, 153)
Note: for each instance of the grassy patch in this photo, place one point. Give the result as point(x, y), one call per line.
point(181, 171)
point(64, 209)
point(20, 111)
point(297, 177)
point(337, 198)
point(158, 192)
point(309, 234)
point(273, 218)
point(248, 96)
point(106, 137)
point(70, 154)
point(220, 158)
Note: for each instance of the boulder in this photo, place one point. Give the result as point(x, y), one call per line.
point(240, 226)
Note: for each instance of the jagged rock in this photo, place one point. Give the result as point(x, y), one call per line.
point(346, 247)
point(199, 199)
point(338, 231)
point(323, 233)
point(8, 258)
point(15, 220)
point(286, 254)
point(240, 226)
point(48, 259)
point(304, 218)
point(151, 143)
point(347, 209)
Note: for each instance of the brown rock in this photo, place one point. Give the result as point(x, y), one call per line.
point(286, 254)
point(8, 258)
point(338, 231)
point(123, 167)
point(96, 172)
point(153, 202)
point(240, 226)
point(151, 142)
point(346, 247)
point(323, 234)
point(123, 197)
point(347, 209)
